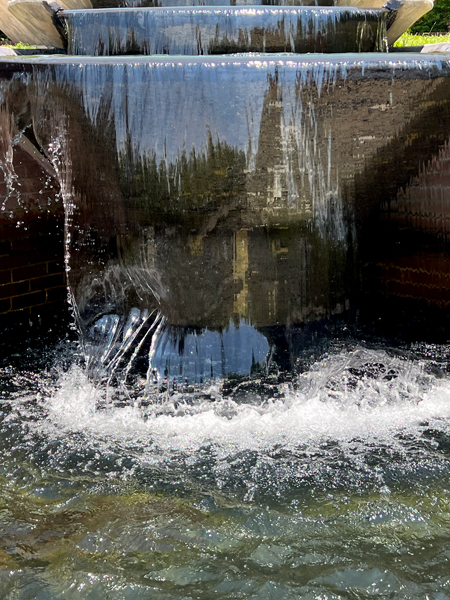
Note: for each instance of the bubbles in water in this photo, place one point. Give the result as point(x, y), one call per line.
point(360, 418)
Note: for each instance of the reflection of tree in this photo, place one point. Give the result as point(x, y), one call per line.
point(217, 177)
point(215, 189)
point(202, 180)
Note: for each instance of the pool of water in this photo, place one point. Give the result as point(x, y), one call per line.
point(336, 486)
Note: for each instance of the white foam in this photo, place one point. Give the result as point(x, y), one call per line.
point(330, 403)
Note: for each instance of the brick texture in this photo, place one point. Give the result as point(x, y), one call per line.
point(423, 273)
point(32, 278)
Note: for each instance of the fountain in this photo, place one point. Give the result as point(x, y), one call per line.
point(256, 252)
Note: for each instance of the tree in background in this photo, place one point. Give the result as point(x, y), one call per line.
point(437, 19)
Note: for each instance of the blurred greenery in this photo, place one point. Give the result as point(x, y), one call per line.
point(196, 181)
point(435, 20)
point(412, 39)
point(22, 45)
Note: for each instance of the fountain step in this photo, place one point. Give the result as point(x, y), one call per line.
point(224, 30)
point(33, 21)
point(309, 146)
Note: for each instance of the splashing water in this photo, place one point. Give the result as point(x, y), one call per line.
point(333, 417)
point(329, 484)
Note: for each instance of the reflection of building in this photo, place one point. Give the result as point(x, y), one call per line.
point(291, 277)
point(211, 210)
point(275, 186)
point(240, 274)
point(266, 276)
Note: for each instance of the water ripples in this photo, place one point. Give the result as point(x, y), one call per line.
point(337, 487)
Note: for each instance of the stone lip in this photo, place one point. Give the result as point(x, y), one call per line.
point(37, 51)
point(350, 60)
point(38, 17)
point(355, 66)
point(5, 51)
point(137, 4)
point(259, 8)
point(224, 30)
point(440, 48)
point(415, 49)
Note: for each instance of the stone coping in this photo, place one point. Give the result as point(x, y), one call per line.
point(349, 59)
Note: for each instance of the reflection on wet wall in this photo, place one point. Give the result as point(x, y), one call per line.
point(274, 207)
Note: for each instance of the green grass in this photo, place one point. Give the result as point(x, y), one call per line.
point(18, 45)
point(435, 20)
point(417, 39)
point(22, 45)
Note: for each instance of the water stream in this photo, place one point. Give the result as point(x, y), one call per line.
point(223, 30)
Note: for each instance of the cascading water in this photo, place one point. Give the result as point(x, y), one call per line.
point(235, 421)
point(220, 30)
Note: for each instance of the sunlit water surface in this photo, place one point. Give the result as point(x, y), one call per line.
point(333, 485)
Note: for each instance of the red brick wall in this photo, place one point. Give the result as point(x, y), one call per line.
point(32, 280)
point(423, 207)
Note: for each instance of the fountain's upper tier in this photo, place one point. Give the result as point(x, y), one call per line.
point(224, 30)
point(33, 21)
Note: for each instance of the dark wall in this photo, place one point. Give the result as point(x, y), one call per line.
point(32, 278)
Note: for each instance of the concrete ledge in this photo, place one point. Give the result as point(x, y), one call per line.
point(415, 49)
point(77, 4)
point(4, 51)
point(38, 17)
point(436, 48)
point(408, 13)
point(12, 27)
point(38, 51)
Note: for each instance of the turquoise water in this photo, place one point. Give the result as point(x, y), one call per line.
point(336, 486)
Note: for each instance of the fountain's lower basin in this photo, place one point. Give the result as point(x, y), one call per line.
point(338, 486)
point(239, 196)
